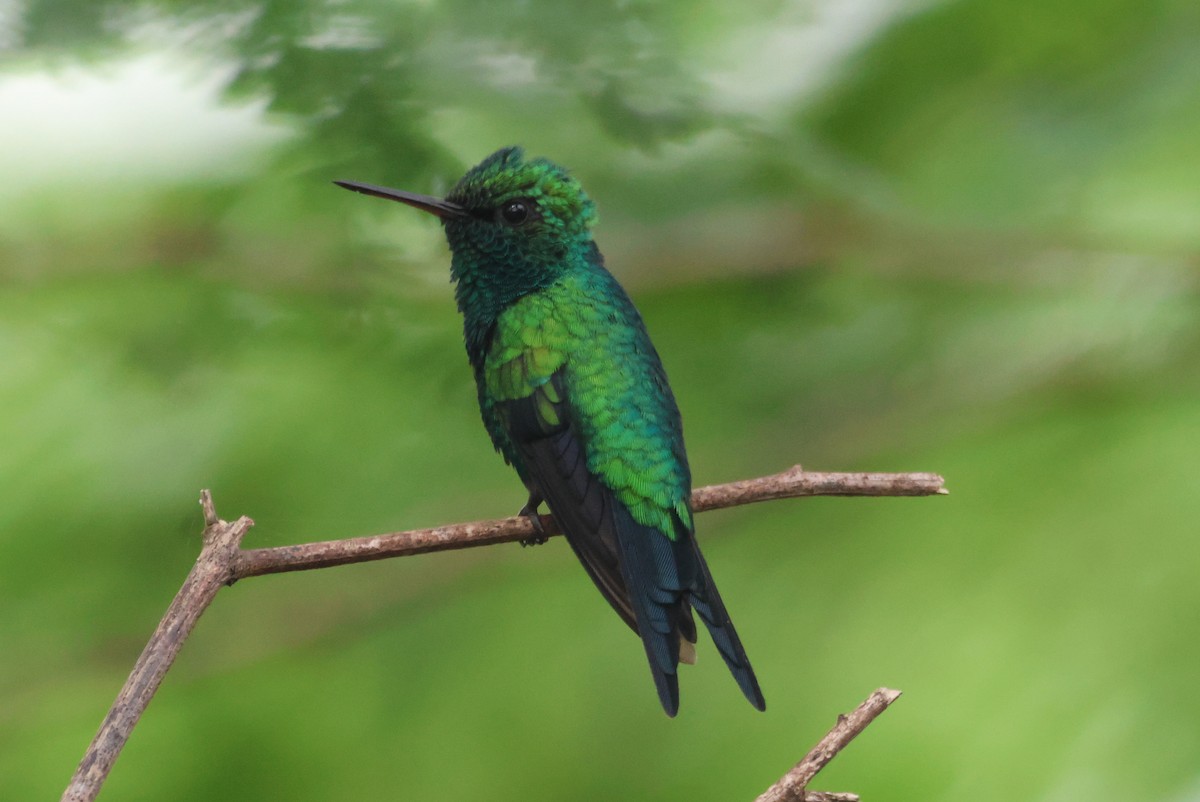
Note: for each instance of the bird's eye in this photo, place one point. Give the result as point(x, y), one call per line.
point(515, 212)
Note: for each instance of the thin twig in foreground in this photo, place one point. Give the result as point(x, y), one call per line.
point(791, 786)
point(222, 561)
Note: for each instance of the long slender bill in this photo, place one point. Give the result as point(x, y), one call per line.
point(426, 203)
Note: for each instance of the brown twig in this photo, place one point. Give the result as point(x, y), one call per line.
point(222, 561)
point(210, 572)
point(792, 483)
point(791, 786)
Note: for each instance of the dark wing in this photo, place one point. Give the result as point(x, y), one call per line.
point(618, 553)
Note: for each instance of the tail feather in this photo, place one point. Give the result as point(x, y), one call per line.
point(652, 578)
point(708, 604)
point(667, 579)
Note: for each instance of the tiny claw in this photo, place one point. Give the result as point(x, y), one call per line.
point(530, 512)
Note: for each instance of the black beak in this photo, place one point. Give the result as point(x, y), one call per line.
point(426, 203)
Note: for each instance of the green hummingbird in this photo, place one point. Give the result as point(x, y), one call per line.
point(576, 399)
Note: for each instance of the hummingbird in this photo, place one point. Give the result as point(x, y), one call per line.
point(576, 399)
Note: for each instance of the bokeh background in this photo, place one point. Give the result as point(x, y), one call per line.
point(873, 235)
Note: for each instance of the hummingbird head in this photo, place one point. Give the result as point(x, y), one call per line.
point(513, 225)
point(530, 211)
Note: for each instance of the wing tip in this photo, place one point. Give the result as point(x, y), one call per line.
point(748, 682)
point(668, 692)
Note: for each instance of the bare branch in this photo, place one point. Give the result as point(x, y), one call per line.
point(791, 787)
point(792, 483)
point(222, 561)
point(210, 572)
point(796, 482)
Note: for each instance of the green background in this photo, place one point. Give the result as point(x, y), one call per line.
point(959, 237)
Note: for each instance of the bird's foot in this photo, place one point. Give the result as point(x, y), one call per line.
point(529, 511)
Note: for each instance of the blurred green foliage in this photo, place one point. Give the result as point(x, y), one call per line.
point(967, 244)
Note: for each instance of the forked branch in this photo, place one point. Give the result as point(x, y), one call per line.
point(221, 543)
point(222, 561)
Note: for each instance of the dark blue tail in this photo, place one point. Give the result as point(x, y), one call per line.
point(666, 579)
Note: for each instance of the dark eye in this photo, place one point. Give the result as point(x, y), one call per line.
point(515, 212)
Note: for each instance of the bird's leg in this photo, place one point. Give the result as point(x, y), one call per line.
point(530, 511)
